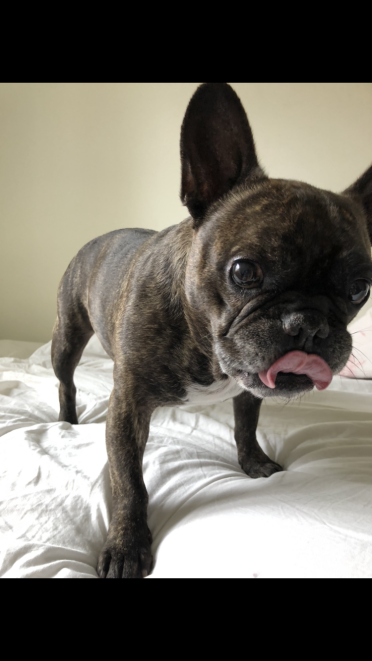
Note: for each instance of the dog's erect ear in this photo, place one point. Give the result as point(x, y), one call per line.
point(217, 148)
point(362, 191)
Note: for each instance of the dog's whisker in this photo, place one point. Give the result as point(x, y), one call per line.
point(363, 330)
point(356, 360)
point(350, 370)
point(360, 366)
point(363, 354)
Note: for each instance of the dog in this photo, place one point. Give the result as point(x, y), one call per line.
point(247, 298)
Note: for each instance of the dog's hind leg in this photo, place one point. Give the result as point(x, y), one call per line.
point(71, 333)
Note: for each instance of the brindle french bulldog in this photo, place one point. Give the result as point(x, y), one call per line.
point(247, 298)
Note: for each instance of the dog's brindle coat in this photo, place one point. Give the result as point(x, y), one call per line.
point(168, 311)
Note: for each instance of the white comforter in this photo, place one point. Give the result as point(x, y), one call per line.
point(208, 519)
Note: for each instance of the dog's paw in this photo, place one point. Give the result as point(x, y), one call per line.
point(258, 468)
point(262, 470)
point(126, 555)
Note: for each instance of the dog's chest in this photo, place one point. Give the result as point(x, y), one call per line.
point(217, 392)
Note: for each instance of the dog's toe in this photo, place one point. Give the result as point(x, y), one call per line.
point(126, 558)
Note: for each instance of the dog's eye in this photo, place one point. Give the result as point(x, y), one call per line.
point(246, 273)
point(359, 290)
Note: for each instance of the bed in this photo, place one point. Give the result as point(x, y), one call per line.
point(208, 519)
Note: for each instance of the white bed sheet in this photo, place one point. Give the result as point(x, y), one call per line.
point(208, 519)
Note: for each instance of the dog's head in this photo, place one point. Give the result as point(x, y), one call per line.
point(277, 268)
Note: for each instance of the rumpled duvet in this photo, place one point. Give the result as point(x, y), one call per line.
point(208, 519)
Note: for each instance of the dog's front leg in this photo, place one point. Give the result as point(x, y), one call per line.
point(251, 457)
point(127, 552)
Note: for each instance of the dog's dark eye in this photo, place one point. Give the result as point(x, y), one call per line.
point(358, 291)
point(246, 273)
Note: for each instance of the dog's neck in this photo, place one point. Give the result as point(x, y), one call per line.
point(178, 244)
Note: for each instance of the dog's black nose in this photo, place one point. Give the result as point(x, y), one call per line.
point(306, 324)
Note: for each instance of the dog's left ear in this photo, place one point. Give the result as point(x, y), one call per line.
point(362, 191)
point(217, 148)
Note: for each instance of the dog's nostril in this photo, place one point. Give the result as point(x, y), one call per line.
point(323, 330)
point(309, 323)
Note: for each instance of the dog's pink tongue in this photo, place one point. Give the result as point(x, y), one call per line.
point(298, 362)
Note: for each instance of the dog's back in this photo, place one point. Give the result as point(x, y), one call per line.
point(102, 265)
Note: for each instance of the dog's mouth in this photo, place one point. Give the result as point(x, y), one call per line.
point(295, 372)
point(301, 364)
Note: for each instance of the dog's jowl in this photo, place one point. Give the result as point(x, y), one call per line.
point(249, 297)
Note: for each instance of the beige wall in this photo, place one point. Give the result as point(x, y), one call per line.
point(78, 160)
